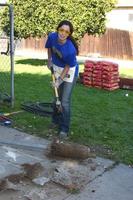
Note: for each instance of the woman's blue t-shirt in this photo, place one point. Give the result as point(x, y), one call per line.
point(62, 54)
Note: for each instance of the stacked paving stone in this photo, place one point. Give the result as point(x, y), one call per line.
point(101, 74)
point(110, 76)
point(97, 76)
point(88, 73)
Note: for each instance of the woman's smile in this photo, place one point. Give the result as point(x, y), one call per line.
point(63, 33)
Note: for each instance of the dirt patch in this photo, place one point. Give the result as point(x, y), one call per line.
point(101, 150)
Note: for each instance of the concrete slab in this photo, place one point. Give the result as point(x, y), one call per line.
point(16, 138)
point(48, 192)
point(11, 160)
point(80, 59)
point(7, 169)
point(116, 184)
point(100, 179)
point(71, 172)
point(80, 172)
point(16, 157)
point(121, 63)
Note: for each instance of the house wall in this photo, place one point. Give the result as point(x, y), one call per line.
point(120, 18)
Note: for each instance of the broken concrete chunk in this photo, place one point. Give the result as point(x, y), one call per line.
point(93, 166)
point(7, 185)
point(16, 178)
point(62, 177)
point(36, 194)
point(40, 180)
point(32, 170)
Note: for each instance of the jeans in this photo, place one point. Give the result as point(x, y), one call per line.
point(63, 118)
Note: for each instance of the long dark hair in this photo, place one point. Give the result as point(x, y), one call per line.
point(68, 23)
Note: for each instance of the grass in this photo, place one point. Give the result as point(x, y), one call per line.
point(100, 119)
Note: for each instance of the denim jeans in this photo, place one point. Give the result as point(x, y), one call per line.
point(63, 118)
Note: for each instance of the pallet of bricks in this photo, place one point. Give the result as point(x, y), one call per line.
point(97, 75)
point(101, 74)
point(88, 73)
point(110, 75)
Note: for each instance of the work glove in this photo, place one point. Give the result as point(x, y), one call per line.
point(58, 82)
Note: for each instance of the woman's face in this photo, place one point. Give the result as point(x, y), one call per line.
point(63, 32)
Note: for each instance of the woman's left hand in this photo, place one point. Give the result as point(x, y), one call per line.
point(58, 82)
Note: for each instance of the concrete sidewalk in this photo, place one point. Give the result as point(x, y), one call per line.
point(98, 178)
point(80, 59)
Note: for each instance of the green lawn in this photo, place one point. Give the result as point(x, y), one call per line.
point(124, 72)
point(100, 119)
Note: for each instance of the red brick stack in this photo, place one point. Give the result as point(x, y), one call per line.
point(97, 76)
point(88, 72)
point(110, 76)
point(101, 74)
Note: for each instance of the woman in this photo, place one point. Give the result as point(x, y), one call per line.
point(62, 51)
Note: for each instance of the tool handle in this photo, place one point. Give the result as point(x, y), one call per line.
point(52, 70)
point(53, 79)
point(55, 89)
point(58, 103)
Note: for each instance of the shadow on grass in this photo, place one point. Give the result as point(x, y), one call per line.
point(29, 87)
point(32, 87)
point(33, 62)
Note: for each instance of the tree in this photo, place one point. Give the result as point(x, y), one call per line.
point(37, 18)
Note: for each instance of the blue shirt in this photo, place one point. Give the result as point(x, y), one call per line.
point(62, 54)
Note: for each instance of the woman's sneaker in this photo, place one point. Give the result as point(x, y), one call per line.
point(63, 135)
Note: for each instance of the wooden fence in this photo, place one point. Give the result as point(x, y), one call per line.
point(114, 43)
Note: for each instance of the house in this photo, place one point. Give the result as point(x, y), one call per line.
point(117, 42)
point(122, 16)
